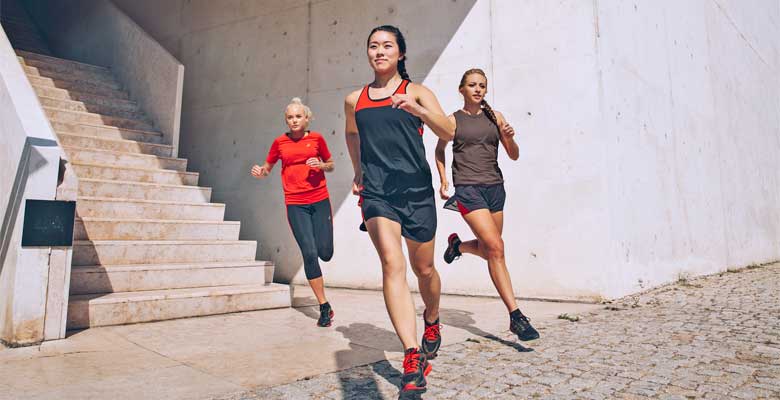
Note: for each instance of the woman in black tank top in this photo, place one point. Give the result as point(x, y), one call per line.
point(479, 188)
point(383, 131)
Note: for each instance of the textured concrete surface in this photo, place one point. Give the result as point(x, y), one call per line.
point(640, 126)
point(97, 32)
point(223, 355)
point(711, 338)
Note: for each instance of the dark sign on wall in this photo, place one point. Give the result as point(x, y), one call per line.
point(48, 223)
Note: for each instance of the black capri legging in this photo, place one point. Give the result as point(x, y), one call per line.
point(312, 226)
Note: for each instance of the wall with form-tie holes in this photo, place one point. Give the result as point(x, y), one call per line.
point(649, 133)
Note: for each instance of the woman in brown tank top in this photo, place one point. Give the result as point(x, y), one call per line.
point(479, 188)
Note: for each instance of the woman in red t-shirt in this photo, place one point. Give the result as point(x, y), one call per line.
point(305, 158)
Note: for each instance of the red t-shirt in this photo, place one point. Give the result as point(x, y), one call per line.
point(302, 184)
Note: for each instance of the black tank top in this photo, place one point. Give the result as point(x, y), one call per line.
point(475, 150)
point(392, 153)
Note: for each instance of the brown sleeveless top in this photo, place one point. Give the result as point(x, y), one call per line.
point(475, 151)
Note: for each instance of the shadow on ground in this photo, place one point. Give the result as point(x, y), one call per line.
point(463, 320)
point(360, 382)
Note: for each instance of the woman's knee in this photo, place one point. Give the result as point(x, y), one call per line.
point(310, 255)
point(394, 269)
point(493, 247)
point(424, 270)
point(325, 252)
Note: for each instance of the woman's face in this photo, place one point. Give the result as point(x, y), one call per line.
point(474, 89)
point(296, 118)
point(383, 52)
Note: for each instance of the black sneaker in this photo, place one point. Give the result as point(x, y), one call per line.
point(431, 340)
point(416, 368)
point(520, 325)
point(326, 315)
point(453, 249)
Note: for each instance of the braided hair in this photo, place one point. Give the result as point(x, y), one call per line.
point(485, 106)
point(399, 38)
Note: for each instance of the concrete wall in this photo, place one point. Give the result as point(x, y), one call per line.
point(34, 281)
point(97, 32)
point(649, 132)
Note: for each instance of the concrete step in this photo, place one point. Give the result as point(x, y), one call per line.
point(91, 228)
point(67, 68)
point(106, 207)
point(102, 109)
point(122, 159)
point(113, 173)
point(143, 191)
point(78, 86)
point(126, 146)
point(107, 132)
point(77, 76)
point(96, 119)
point(86, 98)
point(56, 60)
point(132, 278)
point(133, 307)
point(116, 252)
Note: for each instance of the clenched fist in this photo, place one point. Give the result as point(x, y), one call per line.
point(259, 172)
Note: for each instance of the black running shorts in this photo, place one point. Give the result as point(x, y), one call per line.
point(416, 214)
point(468, 198)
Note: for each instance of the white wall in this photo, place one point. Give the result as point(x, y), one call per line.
point(649, 131)
point(34, 281)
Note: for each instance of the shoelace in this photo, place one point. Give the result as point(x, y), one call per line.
point(521, 320)
point(411, 363)
point(432, 332)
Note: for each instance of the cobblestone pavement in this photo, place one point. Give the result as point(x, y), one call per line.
point(711, 338)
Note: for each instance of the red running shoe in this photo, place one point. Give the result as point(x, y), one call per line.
point(416, 368)
point(431, 340)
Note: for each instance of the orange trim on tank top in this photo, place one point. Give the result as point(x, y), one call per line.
point(365, 101)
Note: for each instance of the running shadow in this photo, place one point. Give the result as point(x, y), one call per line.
point(309, 311)
point(463, 320)
point(361, 382)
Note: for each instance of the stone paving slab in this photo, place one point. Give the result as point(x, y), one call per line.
point(206, 357)
point(710, 338)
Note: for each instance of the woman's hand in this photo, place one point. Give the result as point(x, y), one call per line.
point(408, 103)
point(260, 172)
point(357, 184)
point(443, 190)
point(507, 130)
point(314, 162)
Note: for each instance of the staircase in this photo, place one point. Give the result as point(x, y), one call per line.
point(148, 244)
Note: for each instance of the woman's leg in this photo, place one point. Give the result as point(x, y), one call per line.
point(318, 287)
point(322, 224)
point(386, 236)
point(429, 283)
point(472, 246)
point(300, 218)
point(322, 220)
point(491, 247)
